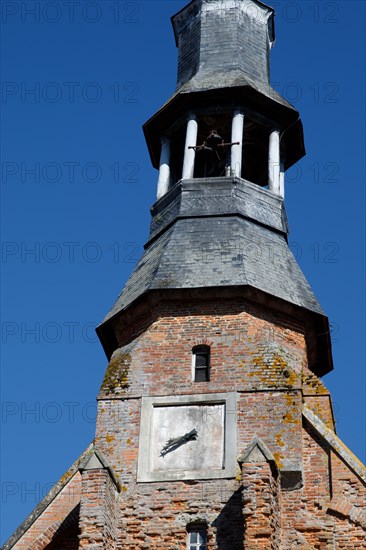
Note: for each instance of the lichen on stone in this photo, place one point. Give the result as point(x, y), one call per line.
point(116, 377)
point(312, 383)
point(272, 368)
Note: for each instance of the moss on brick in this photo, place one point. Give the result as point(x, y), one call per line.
point(273, 370)
point(116, 375)
point(313, 384)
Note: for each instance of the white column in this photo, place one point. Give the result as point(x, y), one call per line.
point(189, 154)
point(282, 180)
point(164, 169)
point(274, 162)
point(237, 129)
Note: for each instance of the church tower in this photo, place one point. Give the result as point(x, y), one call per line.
point(214, 429)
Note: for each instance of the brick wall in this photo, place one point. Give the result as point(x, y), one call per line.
point(56, 521)
point(98, 511)
point(261, 506)
point(264, 359)
point(251, 349)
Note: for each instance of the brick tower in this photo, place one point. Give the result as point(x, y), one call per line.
point(213, 428)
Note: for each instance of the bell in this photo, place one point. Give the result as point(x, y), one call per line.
point(214, 139)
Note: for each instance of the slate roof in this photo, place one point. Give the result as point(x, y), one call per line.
point(205, 81)
point(206, 247)
point(225, 46)
point(220, 252)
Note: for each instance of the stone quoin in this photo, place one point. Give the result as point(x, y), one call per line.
point(214, 430)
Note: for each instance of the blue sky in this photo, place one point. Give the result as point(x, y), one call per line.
point(77, 186)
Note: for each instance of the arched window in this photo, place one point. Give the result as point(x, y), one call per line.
point(197, 537)
point(201, 363)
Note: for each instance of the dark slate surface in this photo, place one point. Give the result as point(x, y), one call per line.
point(216, 37)
point(207, 197)
point(223, 45)
point(230, 79)
point(215, 250)
point(143, 275)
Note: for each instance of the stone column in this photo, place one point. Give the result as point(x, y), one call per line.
point(164, 169)
point(189, 154)
point(282, 180)
point(274, 162)
point(237, 129)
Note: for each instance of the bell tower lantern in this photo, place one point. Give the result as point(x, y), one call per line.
point(224, 119)
point(222, 144)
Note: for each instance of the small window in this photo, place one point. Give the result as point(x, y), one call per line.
point(201, 364)
point(197, 537)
